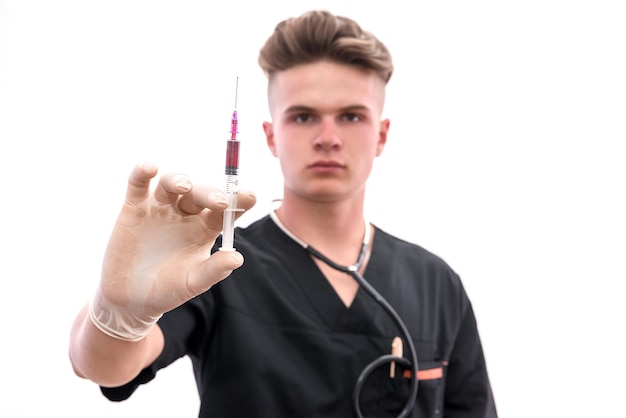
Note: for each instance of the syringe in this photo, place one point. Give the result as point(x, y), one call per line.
point(232, 179)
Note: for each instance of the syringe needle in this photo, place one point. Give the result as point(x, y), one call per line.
point(236, 92)
point(232, 178)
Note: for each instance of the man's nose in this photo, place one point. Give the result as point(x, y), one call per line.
point(328, 137)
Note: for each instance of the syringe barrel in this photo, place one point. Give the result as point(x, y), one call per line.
point(231, 170)
point(232, 157)
point(228, 233)
point(232, 180)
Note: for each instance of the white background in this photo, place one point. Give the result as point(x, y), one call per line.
point(505, 157)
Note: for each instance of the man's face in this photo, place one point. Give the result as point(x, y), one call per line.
point(326, 128)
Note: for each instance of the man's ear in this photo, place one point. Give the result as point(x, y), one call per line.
point(382, 136)
point(268, 128)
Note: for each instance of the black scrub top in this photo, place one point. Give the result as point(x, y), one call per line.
point(275, 340)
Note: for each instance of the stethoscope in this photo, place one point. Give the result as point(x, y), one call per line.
point(353, 270)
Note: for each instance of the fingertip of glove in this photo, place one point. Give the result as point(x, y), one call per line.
point(235, 258)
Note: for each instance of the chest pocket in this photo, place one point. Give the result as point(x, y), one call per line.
point(384, 396)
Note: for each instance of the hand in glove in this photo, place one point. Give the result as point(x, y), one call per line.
point(159, 253)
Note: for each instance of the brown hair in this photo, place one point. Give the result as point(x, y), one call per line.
point(320, 35)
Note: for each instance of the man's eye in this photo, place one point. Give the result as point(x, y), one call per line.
point(352, 117)
point(302, 118)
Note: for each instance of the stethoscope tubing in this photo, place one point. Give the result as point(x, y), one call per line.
point(411, 364)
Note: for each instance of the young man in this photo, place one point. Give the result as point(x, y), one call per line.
point(287, 335)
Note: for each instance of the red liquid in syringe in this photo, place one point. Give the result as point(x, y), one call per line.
point(232, 148)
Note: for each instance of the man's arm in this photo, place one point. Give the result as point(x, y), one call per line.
point(468, 391)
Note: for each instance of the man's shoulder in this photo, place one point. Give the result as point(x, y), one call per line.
point(406, 248)
point(254, 229)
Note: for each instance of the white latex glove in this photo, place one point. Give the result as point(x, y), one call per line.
point(159, 253)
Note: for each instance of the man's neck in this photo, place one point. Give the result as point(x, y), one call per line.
point(333, 228)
